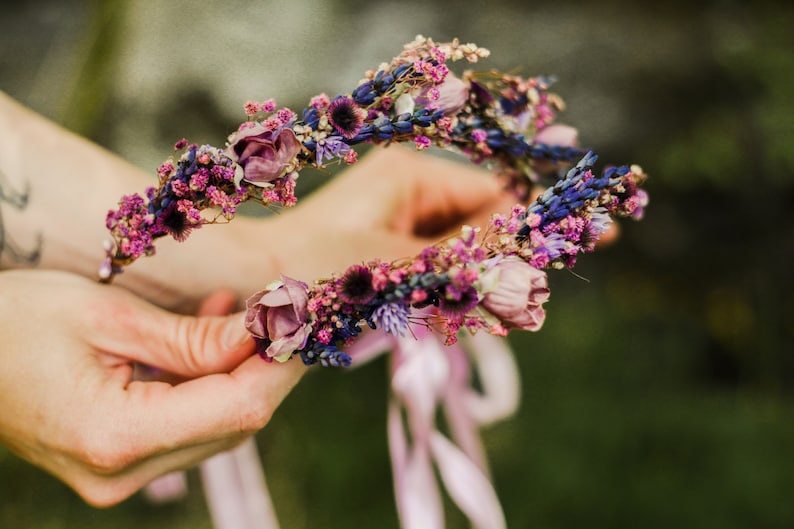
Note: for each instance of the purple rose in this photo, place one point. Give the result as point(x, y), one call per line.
point(517, 294)
point(279, 316)
point(263, 154)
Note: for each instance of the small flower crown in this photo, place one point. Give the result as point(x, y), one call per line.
point(489, 279)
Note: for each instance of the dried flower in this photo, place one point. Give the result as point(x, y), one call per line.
point(345, 116)
point(517, 295)
point(452, 95)
point(263, 154)
point(278, 316)
point(355, 286)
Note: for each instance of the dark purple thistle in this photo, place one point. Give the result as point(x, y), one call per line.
point(355, 286)
point(458, 305)
point(174, 222)
point(345, 117)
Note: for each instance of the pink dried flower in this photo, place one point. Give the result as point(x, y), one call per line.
point(251, 108)
point(264, 155)
point(518, 295)
point(422, 142)
point(320, 101)
point(269, 105)
point(165, 169)
point(478, 135)
point(453, 94)
point(351, 157)
point(285, 115)
point(278, 315)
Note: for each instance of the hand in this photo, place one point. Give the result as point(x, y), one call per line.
point(72, 407)
point(391, 204)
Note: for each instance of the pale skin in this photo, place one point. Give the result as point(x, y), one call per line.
point(70, 403)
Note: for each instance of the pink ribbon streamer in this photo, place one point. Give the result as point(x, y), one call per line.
point(234, 487)
point(425, 376)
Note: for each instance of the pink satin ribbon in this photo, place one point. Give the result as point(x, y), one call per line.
point(425, 376)
point(234, 486)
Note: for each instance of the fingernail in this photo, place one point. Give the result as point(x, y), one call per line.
point(235, 334)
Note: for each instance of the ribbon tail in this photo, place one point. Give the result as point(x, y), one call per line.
point(367, 346)
point(499, 376)
point(416, 493)
point(463, 428)
point(167, 488)
point(467, 485)
point(235, 489)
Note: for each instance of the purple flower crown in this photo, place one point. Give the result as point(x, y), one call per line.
point(489, 279)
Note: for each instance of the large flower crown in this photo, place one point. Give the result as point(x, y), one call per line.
point(488, 279)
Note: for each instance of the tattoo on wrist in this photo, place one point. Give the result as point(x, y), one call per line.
point(8, 246)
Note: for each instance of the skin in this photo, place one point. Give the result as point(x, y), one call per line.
point(73, 399)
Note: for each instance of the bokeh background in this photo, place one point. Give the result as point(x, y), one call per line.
point(660, 392)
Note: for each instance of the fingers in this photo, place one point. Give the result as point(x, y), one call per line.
point(143, 429)
point(207, 409)
point(188, 346)
point(189, 355)
point(219, 303)
point(427, 195)
point(444, 194)
point(147, 429)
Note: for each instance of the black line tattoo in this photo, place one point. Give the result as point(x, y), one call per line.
point(17, 200)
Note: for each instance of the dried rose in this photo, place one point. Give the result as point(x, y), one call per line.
point(515, 294)
point(278, 315)
point(453, 94)
point(263, 154)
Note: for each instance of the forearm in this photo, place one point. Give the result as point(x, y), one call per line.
point(56, 190)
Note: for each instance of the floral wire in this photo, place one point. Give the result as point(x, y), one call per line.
point(492, 280)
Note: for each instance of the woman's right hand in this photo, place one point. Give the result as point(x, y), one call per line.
point(72, 406)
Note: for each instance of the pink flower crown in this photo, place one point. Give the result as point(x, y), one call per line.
point(489, 279)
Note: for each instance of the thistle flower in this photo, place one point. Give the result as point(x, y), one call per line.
point(345, 116)
point(457, 303)
point(355, 286)
point(174, 222)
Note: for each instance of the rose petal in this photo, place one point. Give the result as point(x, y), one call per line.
point(281, 322)
point(281, 349)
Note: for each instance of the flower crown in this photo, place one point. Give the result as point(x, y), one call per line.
point(489, 279)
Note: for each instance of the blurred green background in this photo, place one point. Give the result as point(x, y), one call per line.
point(659, 394)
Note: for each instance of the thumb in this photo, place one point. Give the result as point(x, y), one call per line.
point(192, 346)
